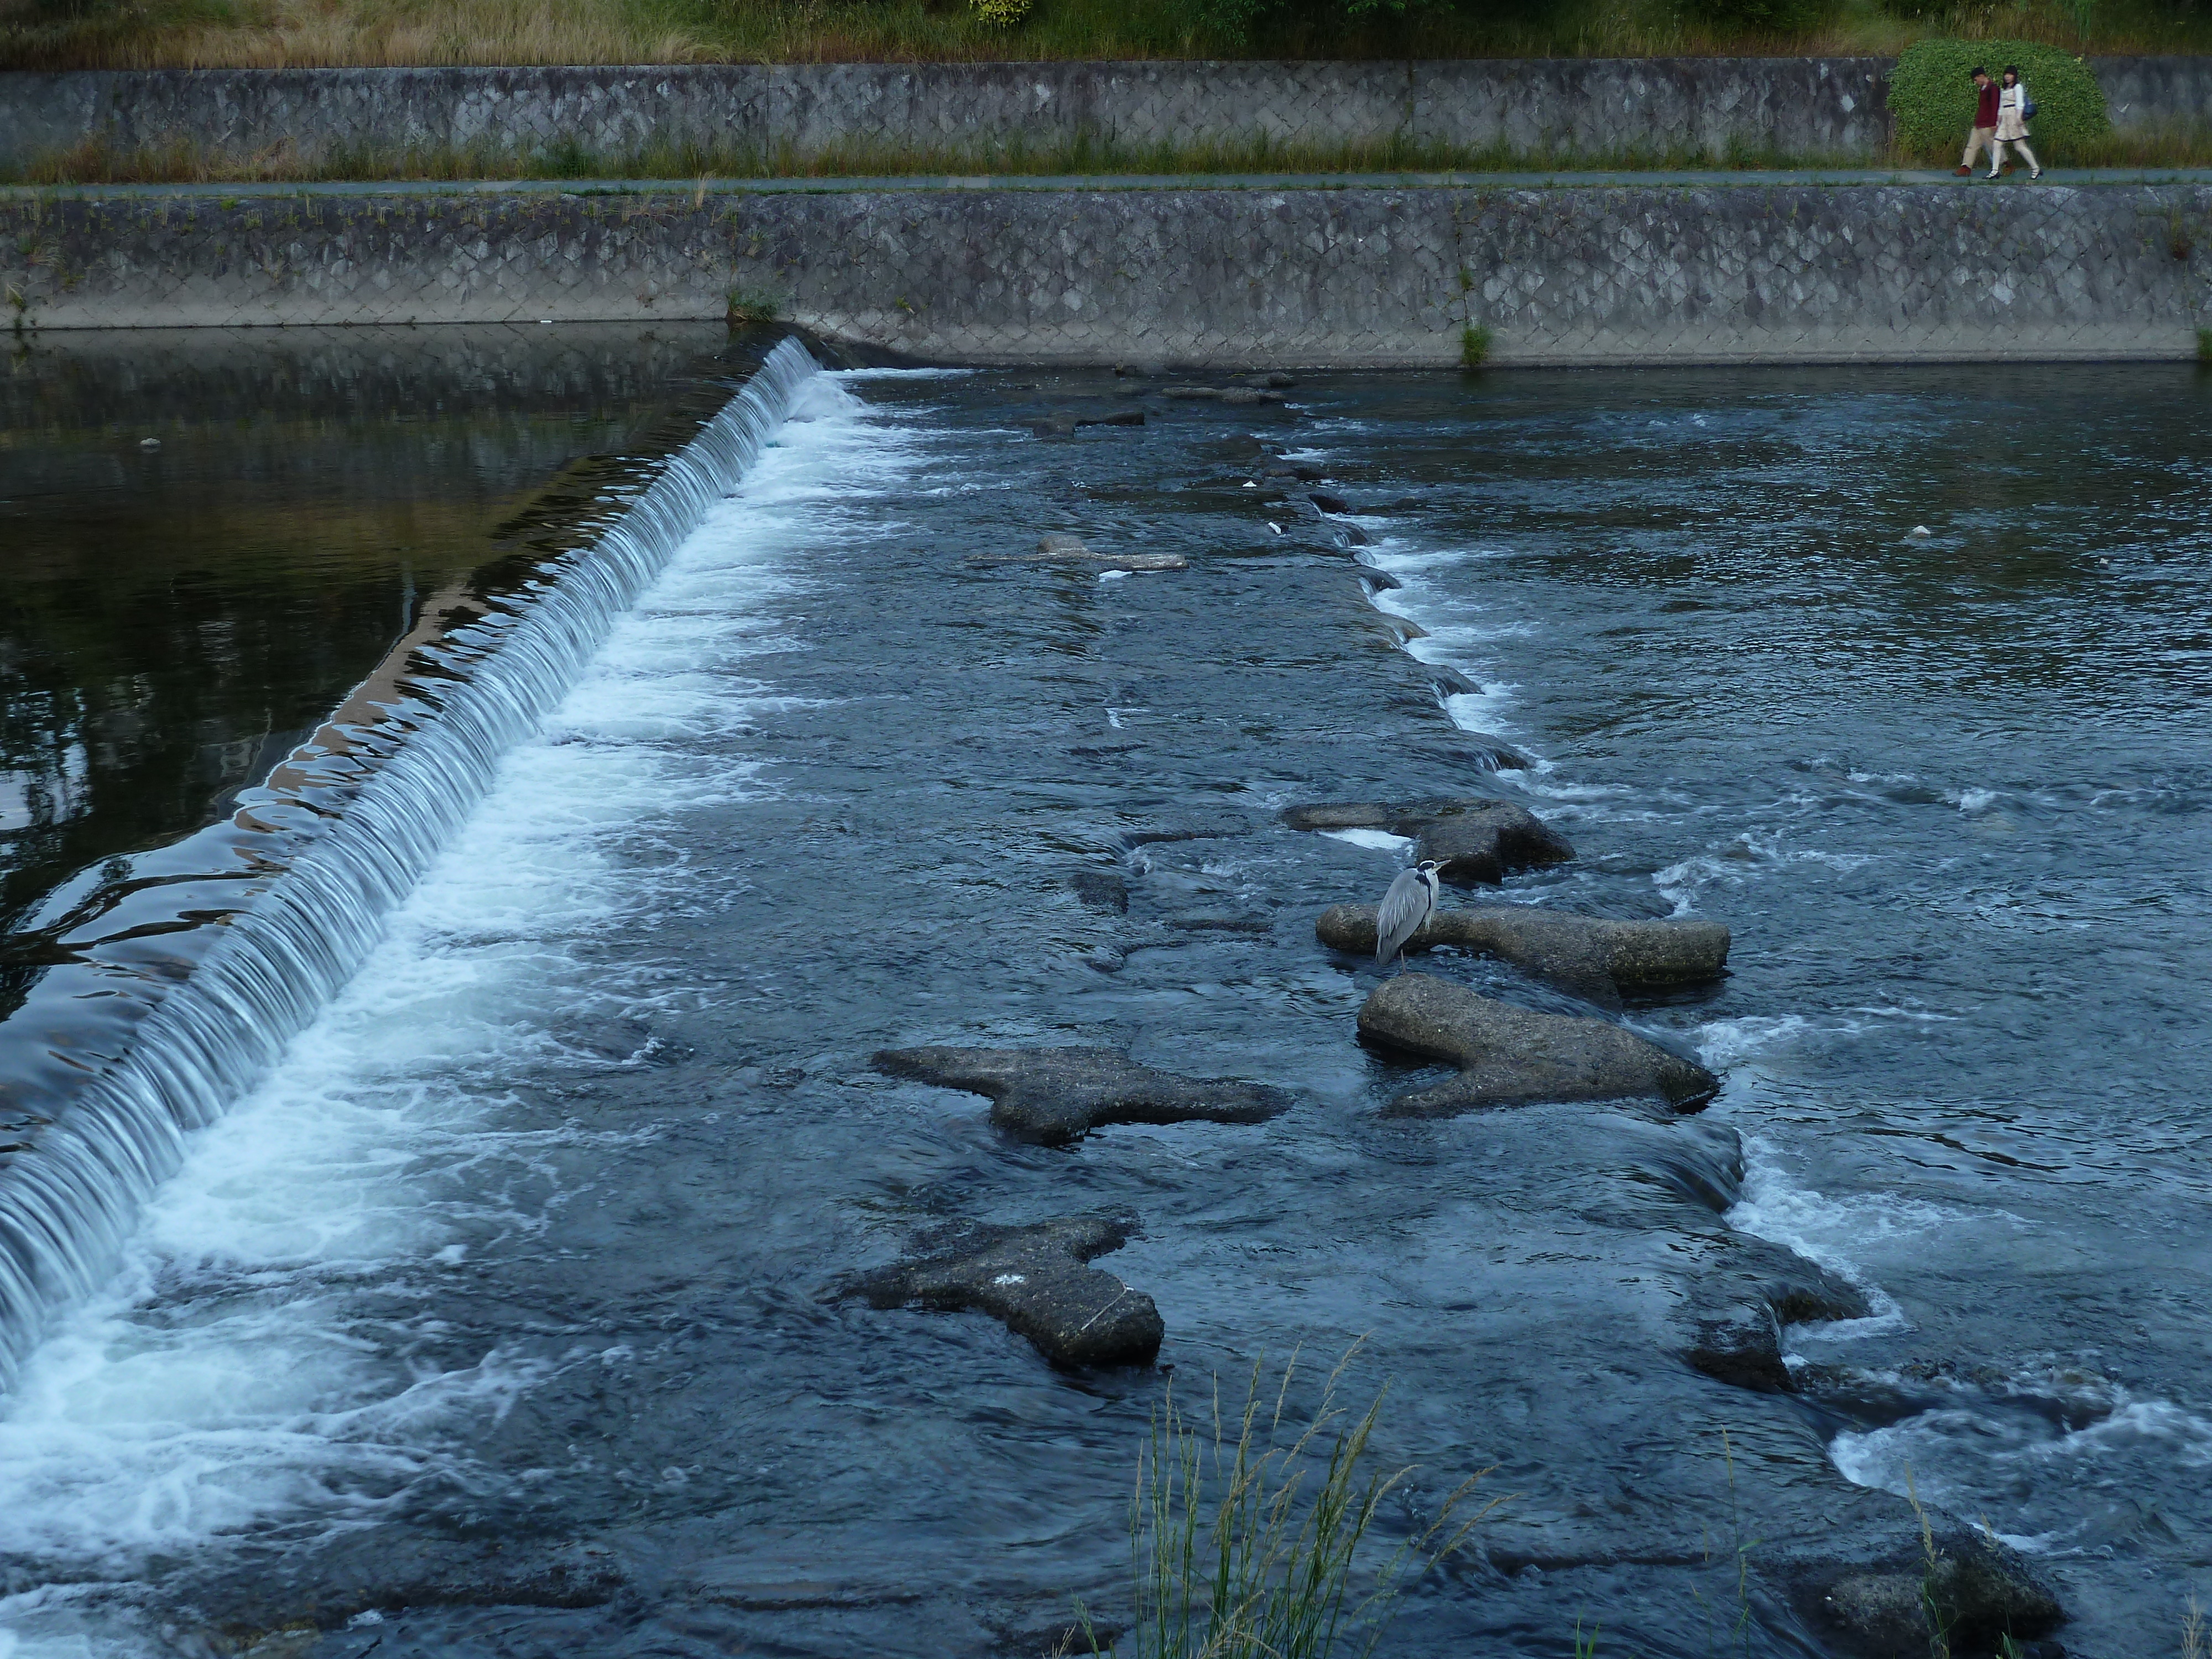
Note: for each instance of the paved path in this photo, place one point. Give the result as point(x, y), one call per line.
point(1830, 176)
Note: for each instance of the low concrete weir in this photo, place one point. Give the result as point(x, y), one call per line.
point(1295, 277)
point(1829, 106)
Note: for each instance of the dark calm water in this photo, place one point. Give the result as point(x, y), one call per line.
point(495, 1319)
point(209, 537)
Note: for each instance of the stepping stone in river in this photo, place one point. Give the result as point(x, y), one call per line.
point(1055, 1096)
point(1511, 1056)
point(1034, 1278)
point(1476, 839)
point(1594, 956)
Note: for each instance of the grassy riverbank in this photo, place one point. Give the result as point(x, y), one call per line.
point(216, 33)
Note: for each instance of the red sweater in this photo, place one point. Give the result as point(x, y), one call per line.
point(1985, 107)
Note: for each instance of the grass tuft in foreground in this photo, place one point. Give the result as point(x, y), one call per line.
point(1231, 1558)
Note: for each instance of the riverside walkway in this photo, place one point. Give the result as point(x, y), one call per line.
point(879, 184)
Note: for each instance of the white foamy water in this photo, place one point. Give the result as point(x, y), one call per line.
point(1994, 1445)
point(1380, 839)
point(1483, 711)
point(226, 1379)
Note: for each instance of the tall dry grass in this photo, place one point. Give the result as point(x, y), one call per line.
point(1238, 1552)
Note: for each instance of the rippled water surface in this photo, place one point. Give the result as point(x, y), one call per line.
point(498, 1318)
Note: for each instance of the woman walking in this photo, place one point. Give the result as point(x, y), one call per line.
point(2012, 124)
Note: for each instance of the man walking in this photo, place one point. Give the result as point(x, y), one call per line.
point(1985, 135)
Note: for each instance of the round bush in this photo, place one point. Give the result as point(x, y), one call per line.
point(1003, 13)
point(1933, 99)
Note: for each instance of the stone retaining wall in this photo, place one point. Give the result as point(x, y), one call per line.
point(1714, 274)
point(1831, 108)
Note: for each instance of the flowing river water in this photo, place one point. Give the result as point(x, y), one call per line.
point(462, 1278)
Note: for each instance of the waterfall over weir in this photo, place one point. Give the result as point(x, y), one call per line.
point(71, 1189)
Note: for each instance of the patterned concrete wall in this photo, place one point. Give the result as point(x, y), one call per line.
point(1802, 105)
point(1347, 276)
point(1805, 107)
point(2150, 94)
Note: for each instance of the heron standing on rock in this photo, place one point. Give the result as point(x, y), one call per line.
point(1410, 902)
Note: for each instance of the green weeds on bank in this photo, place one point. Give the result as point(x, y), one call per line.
point(1231, 1558)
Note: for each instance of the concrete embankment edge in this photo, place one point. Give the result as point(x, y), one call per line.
point(1355, 277)
point(1832, 107)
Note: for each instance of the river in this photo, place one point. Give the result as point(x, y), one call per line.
point(494, 1310)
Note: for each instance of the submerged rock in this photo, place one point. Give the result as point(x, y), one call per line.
point(1062, 424)
point(1509, 1055)
point(1478, 749)
point(1980, 1591)
point(1739, 1341)
point(1742, 1345)
point(1224, 394)
point(1330, 503)
point(1483, 842)
point(1594, 956)
point(1102, 889)
point(1055, 1096)
point(1065, 550)
point(1034, 1278)
point(1446, 681)
point(1475, 838)
point(1215, 921)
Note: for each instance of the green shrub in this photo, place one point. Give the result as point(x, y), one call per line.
point(1933, 99)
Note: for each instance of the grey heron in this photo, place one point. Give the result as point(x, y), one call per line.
point(1409, 903)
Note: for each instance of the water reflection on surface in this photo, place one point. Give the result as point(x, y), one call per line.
point(211, 536)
